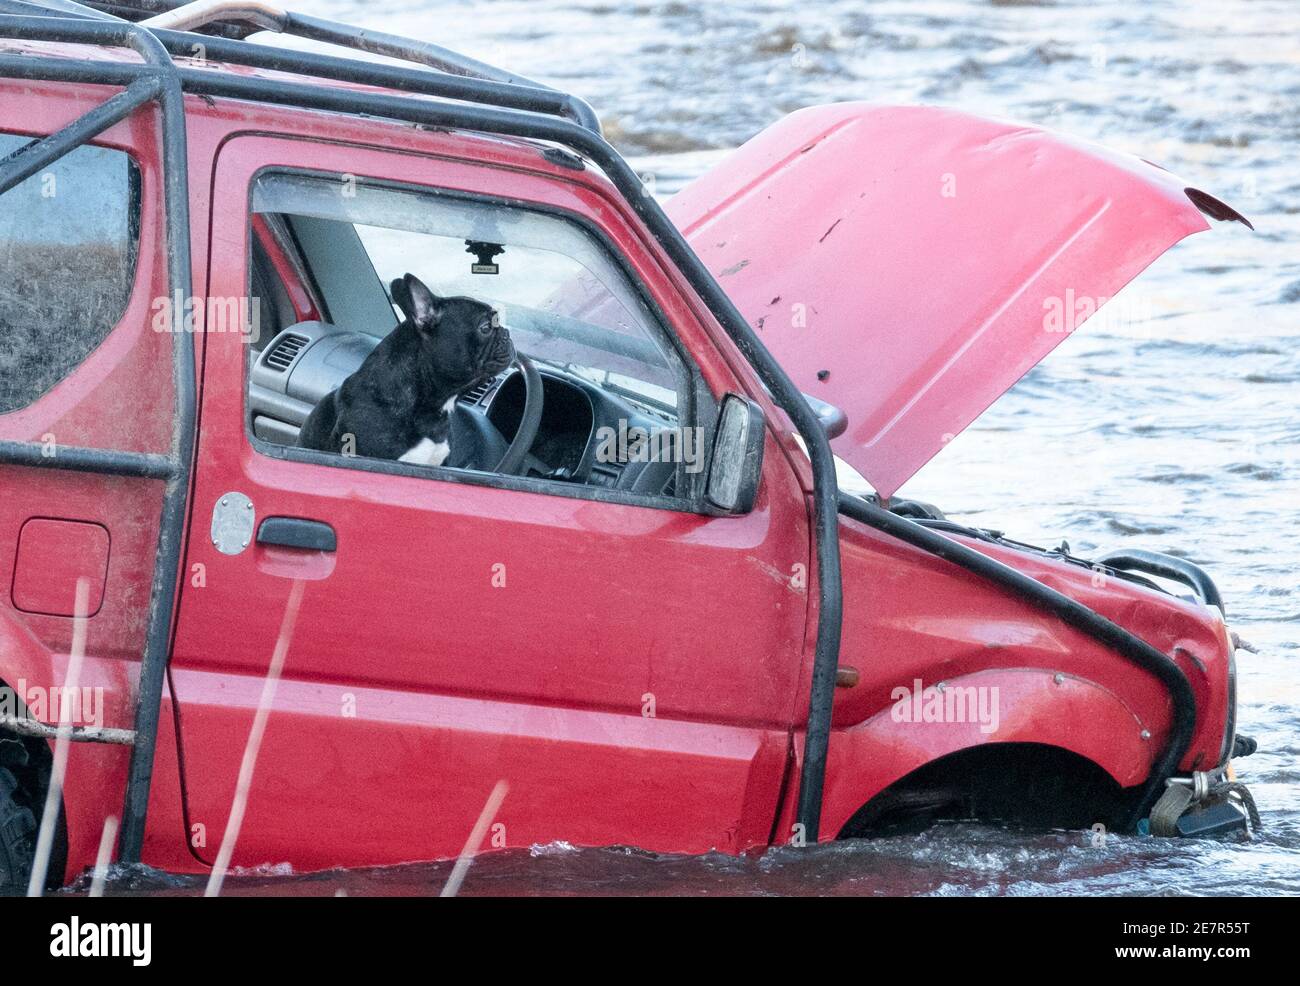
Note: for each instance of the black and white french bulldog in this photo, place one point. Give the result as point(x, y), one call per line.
point(397, 405)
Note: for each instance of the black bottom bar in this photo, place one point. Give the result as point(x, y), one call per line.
point(976, 939)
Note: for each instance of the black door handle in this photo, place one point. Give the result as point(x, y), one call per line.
point(294, 532)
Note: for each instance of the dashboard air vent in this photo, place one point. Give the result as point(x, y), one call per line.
point(476, 393)
point(285, 351)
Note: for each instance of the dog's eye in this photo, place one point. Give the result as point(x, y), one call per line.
point(496, 320)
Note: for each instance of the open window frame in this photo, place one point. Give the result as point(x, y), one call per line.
point(698, 405)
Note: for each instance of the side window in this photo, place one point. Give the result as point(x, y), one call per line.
point(617, 408)
point(68, 243)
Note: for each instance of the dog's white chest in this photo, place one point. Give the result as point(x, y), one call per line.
point(427, 453)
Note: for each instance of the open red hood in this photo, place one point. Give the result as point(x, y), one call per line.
point(909, 264)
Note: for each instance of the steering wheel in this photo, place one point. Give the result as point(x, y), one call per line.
point(512, 463)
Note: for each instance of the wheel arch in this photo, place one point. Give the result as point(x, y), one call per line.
point(1036, 709)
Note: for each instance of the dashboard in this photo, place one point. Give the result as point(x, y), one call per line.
point(581, 420)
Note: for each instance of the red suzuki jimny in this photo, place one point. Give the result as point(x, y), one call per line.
point(633, 590)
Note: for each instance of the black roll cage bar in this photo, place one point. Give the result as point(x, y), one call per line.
point(486, 99)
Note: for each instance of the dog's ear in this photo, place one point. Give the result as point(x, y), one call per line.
point(401, 297)
point(420, 305)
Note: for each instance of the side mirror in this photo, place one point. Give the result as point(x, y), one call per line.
point(737, 462)
point(834, 421)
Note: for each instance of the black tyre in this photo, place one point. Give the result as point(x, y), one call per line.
point(17, 838)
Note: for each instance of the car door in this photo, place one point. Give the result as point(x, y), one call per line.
point(625, 662)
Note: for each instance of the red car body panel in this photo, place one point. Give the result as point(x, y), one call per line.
point(909, 264)
point(642, 676)
point(961, 632)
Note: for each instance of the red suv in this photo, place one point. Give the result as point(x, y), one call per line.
point(634, 591)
